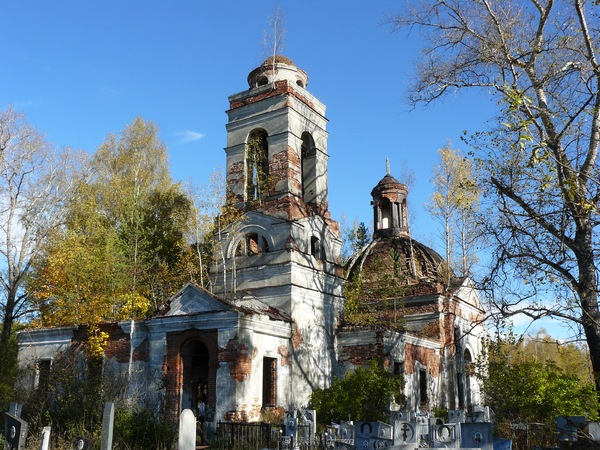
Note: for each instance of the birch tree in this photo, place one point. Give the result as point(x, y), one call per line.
point(454, 204)
point(35, 182)
point(538, 59)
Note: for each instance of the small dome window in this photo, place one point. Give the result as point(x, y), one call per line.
point(300, 83)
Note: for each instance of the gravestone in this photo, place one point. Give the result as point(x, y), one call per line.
point(422, 420)
point(291, 426)
point(368, 435)
point(15, 432)
point(15, 409)
point(107, 426)
point(456, 416)
point(502, 444)
point(479, 435)
point(445, 435)
point(402, 415)
point(405, 433)
point(81, 443)
point(594, 431)
point(45, 444)
point(346, 430)
point(310, 417)
point(187, 430)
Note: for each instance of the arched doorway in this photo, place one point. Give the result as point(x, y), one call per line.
point(195, 364)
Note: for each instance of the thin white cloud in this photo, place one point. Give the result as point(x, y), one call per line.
point(189, 136)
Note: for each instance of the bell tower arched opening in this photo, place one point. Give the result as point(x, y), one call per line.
point(309, 168)
point(257, 166)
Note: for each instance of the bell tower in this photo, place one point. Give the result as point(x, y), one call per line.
point(283, 249)
point(277, 144)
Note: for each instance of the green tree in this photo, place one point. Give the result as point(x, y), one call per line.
point(521, 387)
point(123, 249)
point(359, 236)
point(129, 168)
point(539, 60)
point(454, 204)
point(363, 394)
point(166, 219)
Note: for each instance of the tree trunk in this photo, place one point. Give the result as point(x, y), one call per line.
point(588, 294)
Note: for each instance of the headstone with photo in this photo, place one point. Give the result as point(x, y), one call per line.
point(82, 443)
point(15, 432)
point(310, 417)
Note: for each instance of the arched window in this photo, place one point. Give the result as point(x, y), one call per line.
point(385, 208)
point(252, 244)
point(309, 168)
point(257, 166)
point(315, 247)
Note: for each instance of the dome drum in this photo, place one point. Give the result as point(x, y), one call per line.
point(277, 69)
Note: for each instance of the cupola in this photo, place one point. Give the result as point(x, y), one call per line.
point(390, 215)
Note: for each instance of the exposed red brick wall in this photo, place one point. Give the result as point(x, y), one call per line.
point(296, 337)
point(281, 87)
point(426, 356)
point(360, 355)
point(244, 413)
point(237, 357)
point(284, 352)
point(285, 165)
point(117, 345)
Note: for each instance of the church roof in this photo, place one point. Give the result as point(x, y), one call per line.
point(278, 59)
point(396, 266)
point(193, 299)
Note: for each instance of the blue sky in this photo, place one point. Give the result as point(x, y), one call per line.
point(81, 69)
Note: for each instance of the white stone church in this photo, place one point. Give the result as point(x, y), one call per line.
point(275, 326)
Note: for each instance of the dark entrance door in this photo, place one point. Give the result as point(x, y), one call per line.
point(195, 358)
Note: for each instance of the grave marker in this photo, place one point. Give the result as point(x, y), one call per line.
point(15, 432)
point(107, 426)
point(45, 444)
point(81, 443)
point(187, 430)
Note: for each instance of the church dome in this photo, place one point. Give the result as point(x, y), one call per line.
point(277, 68)
point(396, 266)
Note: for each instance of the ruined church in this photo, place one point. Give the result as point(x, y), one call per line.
point(283, 317)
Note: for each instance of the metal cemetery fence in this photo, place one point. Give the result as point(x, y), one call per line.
point(256, 436)
point(233, 436)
